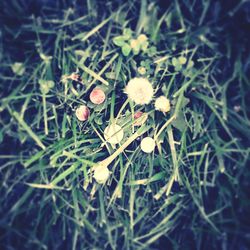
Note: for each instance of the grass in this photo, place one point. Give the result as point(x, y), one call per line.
point(191, 192)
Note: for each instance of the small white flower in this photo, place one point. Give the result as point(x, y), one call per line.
point(147, 145)
point(101, 174)
point(134, 43)
point(162, 104)
point(113, 134)
point(142, 38)
point(140, 90)
point(237, 108)
point(142, 70)
point(182, 60)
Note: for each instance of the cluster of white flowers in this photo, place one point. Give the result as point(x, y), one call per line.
point(141, 92)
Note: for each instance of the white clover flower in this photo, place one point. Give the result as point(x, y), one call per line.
point(162, 104)
point(101, 174)
point(113, 134)
point(140, 90)
point(147, 145)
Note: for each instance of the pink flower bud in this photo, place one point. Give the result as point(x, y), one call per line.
point(82, 113)
point(139, 120)
point(75, 77)
point(138, 114)
point(97, 96)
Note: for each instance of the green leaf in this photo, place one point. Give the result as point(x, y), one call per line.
point(144, 46)
point(110, 75)
point(98, 120)
point(127, 33)
point(18, 68)
point(197, 121)
point(136, 47)
point(142, 63)
point(119, 41)
point(51, 84)
point(136, 50)
point(178, 67)
point(190, 64)
point(185, 101)
point(126, 49)
point(180, 122)
point(175, 62)
point(45, 58)
point(1, 135)
point(46, 85)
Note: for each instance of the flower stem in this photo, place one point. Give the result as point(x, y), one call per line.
point(133, 137)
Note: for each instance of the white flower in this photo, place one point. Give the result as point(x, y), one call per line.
point(162, 104)
point(101, 174)
point(113, 134)
point(142, 38)
point(140, 90)
point(182, 60)
point(147, 145)
point(134, 43)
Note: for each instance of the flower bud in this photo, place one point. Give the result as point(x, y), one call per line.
point(82, 113)
point(142, 70)
point(142, 38)
point(140, 118)
point(101, 174)
point(97, 96)
point(147, 145)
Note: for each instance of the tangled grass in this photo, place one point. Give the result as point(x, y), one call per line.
point(192, 192)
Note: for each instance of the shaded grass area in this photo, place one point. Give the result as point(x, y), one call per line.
point(191, 193)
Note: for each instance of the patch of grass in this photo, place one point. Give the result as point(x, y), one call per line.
point(191, 192)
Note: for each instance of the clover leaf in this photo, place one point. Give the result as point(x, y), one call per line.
point(127, 33)
point(18, 68)
point(119, 41)
point(46, 85)
point(128, 43)
point(126, 49)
